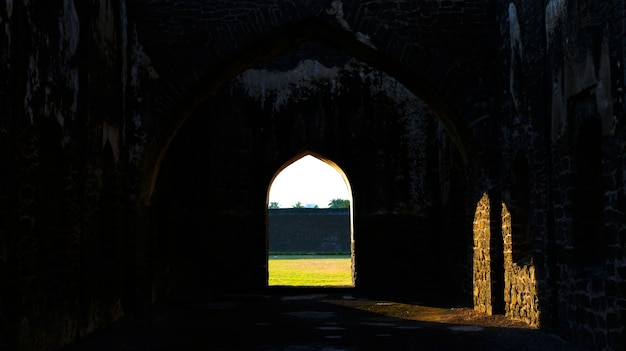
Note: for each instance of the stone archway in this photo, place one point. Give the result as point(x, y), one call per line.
point(319, 231)
point(281, 42)
point(364, 119)
point(286, 41)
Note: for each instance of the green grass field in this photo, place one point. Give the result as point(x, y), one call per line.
point(310, 270)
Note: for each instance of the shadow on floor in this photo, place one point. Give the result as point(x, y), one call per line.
point(316, 319)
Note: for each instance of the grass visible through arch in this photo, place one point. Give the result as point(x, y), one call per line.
point(310, 270)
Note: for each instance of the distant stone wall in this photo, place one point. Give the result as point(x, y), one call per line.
point(309, 230)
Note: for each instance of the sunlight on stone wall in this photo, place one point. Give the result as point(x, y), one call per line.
point(482, 257)
point(520, 285)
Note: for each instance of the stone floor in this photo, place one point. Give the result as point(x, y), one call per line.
point(302, 320)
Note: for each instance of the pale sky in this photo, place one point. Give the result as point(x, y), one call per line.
point(309, 181)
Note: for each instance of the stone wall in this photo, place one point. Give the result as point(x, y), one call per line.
point(62, 234)
point(587, 146)
point(583, 132)
point(570, 276)
point(305, 230)
point(521, 299)
point(482, 257)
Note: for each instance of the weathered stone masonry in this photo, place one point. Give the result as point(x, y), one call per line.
point(483, 141)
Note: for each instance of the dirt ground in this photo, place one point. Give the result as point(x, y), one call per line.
point(417, 312)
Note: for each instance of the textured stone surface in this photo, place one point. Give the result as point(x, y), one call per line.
point(520, 282)
point(309, 230)
point(482, 257)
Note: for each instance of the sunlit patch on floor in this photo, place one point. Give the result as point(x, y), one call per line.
point(414, 312)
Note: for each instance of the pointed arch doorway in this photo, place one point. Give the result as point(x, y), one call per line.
point(310, 225)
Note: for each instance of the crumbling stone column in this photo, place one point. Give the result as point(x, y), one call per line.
point(520, 285)
point(482, 256)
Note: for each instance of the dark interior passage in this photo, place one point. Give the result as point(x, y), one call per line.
point(483, 139)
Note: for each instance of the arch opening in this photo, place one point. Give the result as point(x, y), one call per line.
point(310, 236)
point(233, 187)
